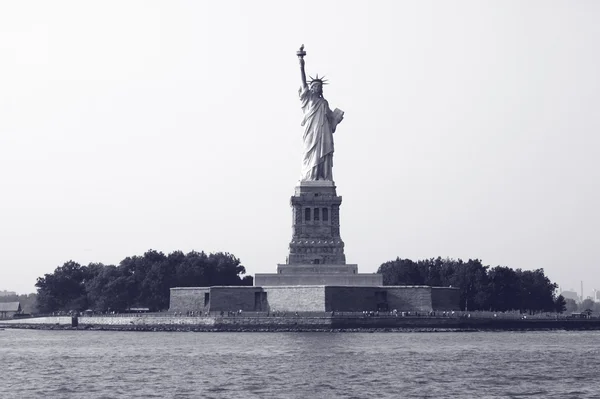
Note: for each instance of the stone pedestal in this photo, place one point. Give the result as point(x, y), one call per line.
point(301, 279)
point(316, 251)
point(318, 274)
point(317, 269)
point(316, 225)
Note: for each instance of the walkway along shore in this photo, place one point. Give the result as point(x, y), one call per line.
point(291, 322)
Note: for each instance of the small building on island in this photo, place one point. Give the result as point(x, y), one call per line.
point(9, 309)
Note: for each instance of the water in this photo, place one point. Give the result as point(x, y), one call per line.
point(96, 364)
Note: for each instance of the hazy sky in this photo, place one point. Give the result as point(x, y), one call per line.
point(471, 131)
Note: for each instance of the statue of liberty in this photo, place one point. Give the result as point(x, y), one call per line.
point(319, 125)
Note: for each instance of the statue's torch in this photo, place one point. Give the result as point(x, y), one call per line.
point(301, 53)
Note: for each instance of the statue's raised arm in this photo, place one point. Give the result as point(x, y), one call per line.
point(301, 53)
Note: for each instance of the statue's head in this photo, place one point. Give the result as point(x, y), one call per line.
point(316, 85)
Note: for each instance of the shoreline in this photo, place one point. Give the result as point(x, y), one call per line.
point(299, 324)
point(239, 330)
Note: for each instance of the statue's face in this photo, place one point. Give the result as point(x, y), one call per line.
point(317, 88)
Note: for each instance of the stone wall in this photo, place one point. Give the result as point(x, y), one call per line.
point(50, 320)
point(143, 320)
point(225, 298)
point(299, 298)
point(314, 298)
point(184, 299)
point(394, 322)
point(351, 299)
point(409, 298)
point(445, 298)
point(401, 298)
point(274, 322)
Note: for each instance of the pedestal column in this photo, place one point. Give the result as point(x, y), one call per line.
point(316, 229)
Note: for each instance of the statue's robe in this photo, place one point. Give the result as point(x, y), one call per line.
point(319, 126)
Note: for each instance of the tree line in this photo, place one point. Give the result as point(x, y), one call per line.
point(481, 287)
point(145, 281)
point(137, 281)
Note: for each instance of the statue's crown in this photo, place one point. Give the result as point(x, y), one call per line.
point(318, 79)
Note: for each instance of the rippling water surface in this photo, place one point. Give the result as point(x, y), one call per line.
point(95, 364)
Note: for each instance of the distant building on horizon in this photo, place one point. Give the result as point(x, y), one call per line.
point(570, 295)
point(7, 293)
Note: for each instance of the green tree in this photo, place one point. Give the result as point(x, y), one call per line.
point(560, 304)
point(430, 271)
point(136, 269)
point(471, 278)
point(503, 284)
point(247, 281)
point(226, 269)
point(156, 286)
point(481, 288)
point(570, 305)
point(586, 304)
point(401, 272)
point(64, 289)
point(536, 291)
point(108, 290)
point(138, 281)
point(190, 270)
